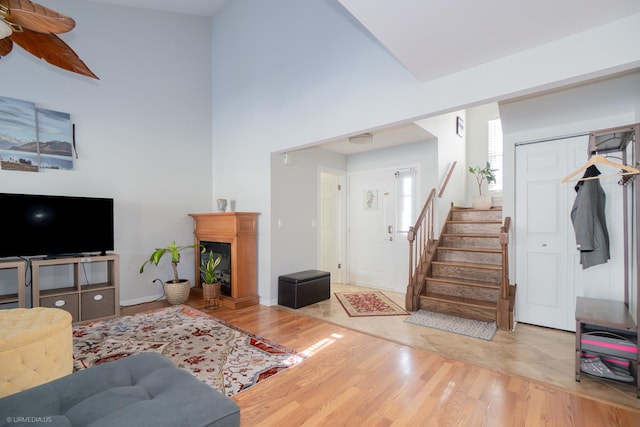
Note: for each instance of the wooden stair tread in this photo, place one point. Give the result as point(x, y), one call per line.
point(461, 301)
point(469, 209)
point(470, 249)
point(460, 221)
point(492, 235)
point(475, 283)
point(469, 265)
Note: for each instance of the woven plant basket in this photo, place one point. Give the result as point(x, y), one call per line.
point(177, 293)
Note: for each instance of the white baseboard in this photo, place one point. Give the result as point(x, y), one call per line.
point(141, 300)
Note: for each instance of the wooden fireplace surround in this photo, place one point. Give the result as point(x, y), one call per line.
point(239, 230)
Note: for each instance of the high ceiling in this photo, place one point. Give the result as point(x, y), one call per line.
point(188, 7)
point(434, 38)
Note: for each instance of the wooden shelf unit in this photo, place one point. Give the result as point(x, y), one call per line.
point(86, 303)
point(239, 230)
point(19, 297)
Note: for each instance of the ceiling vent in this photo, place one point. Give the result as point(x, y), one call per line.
point(363, 138)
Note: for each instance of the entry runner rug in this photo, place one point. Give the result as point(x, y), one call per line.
point(360, 304)
point(459, 325)
point(219, 354)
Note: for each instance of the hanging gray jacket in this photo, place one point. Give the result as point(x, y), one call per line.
point(589, 222)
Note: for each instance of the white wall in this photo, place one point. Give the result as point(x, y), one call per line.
point(451, 147)
point(143, 130)
point(422, 154)
point(578, 110)
point(478, 143)
point(289, 74)
point(285, 74)
point(294, 197)
point(294, 210)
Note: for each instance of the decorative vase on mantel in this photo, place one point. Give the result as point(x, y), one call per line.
point(177, 293)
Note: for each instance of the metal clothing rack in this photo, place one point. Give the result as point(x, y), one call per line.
point(603, 314)
point(625, 141)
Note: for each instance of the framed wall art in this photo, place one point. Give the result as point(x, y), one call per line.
point(33, 138)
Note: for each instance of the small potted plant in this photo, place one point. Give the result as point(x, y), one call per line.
point(482, 201)
point(177, 290)
point(210, 284)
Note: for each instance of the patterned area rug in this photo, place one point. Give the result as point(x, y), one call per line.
point(218, 353)
point(360, 304)
point(458, 325)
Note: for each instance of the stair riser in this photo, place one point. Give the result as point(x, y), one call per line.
point(478, 313)
point(471, 242)
point(463, 291)
point(472, 257)
point(464, 215)
point(473, 228)
point(469, 273)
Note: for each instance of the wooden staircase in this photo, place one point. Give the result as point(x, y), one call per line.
point(464, 272)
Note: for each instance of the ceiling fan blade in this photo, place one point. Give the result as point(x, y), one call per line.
point(5, 46)
point(53, 50)
point(36, 17)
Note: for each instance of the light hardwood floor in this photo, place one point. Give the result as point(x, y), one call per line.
point(382, 371)
point(543, 354)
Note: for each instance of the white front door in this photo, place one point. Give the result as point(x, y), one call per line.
point(379, 206)
point(548, 272)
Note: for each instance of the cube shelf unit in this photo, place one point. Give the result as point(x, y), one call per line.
point(86, 303)
point(19, 297)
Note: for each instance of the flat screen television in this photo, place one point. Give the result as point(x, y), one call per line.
point(55, 225)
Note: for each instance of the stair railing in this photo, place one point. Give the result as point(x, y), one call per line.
point(504, 243)
point(505, 313)
point(420, 238)
point(452, 166)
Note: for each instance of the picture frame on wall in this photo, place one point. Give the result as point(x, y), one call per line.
point(34, 139)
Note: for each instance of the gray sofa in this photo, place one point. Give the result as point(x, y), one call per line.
point(141, 390)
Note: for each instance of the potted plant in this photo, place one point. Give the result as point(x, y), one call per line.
point(210, 284)
point(482, 201)
point(176, 290)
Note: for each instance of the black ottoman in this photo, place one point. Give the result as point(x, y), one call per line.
point(303, 288)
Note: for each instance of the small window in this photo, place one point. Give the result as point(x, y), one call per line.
point(407, 186)
point(495, 153)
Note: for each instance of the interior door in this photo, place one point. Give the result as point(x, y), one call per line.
point(548, 271)
point(331, 225)
point(372, 228)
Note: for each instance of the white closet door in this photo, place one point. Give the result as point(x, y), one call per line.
point(548, 270)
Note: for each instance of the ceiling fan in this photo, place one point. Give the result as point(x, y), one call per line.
point(34, 27)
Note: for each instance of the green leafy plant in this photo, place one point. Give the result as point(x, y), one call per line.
point(208, 268)
point(172, 249)
point(483, 173)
